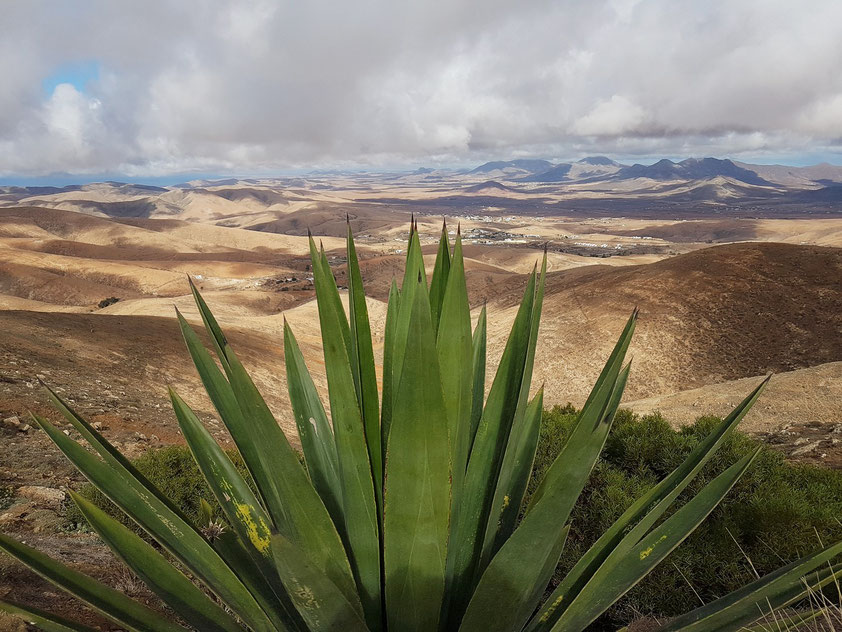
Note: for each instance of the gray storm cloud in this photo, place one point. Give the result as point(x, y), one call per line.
point(253, 86)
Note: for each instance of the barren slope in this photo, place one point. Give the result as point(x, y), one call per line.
point(708, 316)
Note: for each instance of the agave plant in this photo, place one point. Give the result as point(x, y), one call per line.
point(409, 514)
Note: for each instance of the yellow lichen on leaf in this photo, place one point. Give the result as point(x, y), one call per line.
point(546, 616)
point(645, 552)
point(258, 530)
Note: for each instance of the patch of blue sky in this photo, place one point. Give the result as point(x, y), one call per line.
point(79, 74)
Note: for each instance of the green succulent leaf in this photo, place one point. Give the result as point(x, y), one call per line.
point(413, 271)
point(162, 578)
point(778, 589)
point(239, 504)
point(361, 527)
point(504, 600)
point(42, 620)
point(454, 348)
point(514, 476)
point(322, 606)
point(295, 507)
point(478, 345)
point(417, 495)
point(645, 511)
point(439, 280)
point(639, 553)
point(171, 532)
point(469, 523)
point(392, 310)
point(362, 367)
point(109, 602)
point(520, 448)
point(108, 452)
point(314, 429)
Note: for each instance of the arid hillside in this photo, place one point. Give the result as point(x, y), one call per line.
point(710, 315)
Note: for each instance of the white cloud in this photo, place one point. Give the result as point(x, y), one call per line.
point(612, 117)
point(225, 85)
point(823, 117)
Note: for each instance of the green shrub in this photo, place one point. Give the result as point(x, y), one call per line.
point(775, 513)
point(172, 470)
point(7, 496)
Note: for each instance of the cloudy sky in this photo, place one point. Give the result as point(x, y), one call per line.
point(154, 88)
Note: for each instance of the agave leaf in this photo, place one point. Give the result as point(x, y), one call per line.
point(478, 344)
point(522, 559)
point(355, 473)
point(291, 501)
point(520, 448)
point(646, 510)
point(524, 554)
point(362, 368)
point(314, 430)
point(456, 366)
point(320, 603)
point(417, 495)
point(779, 588)
point(517, 466)
point(392, 309)
point(332, 296)
point(109, 602)
point(162, 578)
point(483, 468)
point(636, 556)
point(503, 602)
point(239, 504)
point(240, 559)
point(166, 527)
point(218, 339)
point(42, 620)
point(36, 619)
point(235, 557)
point(439, 280)
point(412, 272)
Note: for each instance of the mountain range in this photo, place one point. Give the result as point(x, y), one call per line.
point(602, 168)
point(592, 186)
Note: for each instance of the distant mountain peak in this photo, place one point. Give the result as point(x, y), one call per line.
point(693, 169)
point(599, 161)
point(557, 173)
point(523, 164)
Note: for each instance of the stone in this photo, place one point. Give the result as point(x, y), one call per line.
point(804, 449)
point(12, 422)
point(43, 495)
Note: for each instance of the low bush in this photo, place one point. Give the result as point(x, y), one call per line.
point(776, 513)
point(107, 301)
